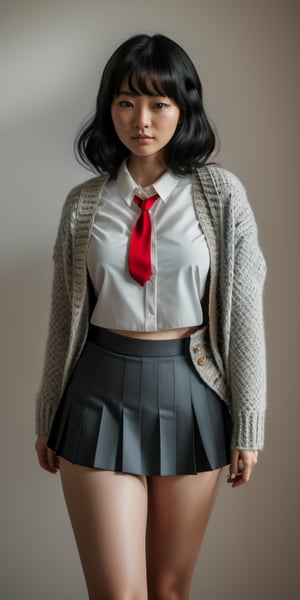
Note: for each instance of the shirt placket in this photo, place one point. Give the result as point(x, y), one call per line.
point(151, 285)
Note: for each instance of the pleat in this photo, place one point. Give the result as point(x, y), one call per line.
point(87, 431)
point(108, 441)
point(150, 439)
point(210, 423)
point(58, 429)
point(167, 416)
point(67, 426)
point(186, 459)
point(131, 417)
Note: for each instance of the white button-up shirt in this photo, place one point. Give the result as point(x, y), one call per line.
point(180, 257)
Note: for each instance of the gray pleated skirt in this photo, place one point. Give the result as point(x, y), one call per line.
point(140, 407)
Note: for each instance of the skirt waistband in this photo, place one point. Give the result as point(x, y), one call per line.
point(137, 347)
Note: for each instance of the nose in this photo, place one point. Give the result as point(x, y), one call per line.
point(142, 118)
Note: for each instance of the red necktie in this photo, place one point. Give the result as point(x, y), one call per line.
point(139, 258)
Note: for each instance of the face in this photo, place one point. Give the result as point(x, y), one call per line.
point(144, 124)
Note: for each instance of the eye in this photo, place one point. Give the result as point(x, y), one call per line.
point(125, 104)
point(159, 105)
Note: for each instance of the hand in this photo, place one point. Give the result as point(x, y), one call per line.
point(47, 458)
point(242, 465)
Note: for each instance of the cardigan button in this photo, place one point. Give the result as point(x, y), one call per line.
point(197, 348)
point(202, 361)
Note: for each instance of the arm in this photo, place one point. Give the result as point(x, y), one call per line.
point(58, 337)
point(247, 348)
point(247, 361)
point(57, 341)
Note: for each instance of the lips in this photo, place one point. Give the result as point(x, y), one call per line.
point(142, 140)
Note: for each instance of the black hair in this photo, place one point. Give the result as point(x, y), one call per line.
point(161, 62)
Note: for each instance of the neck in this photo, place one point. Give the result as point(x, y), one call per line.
point(145, 170)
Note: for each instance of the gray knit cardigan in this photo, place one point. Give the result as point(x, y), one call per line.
point(228, 353)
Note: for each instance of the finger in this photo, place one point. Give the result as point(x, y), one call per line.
point(246, 472)
point(234, 466)
point(243, 477)
point(42, 453)
point(53, 460)
point(248, 464)
point(45, 465)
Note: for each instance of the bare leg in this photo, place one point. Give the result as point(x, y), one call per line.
point(178, 513)
point(108, 512)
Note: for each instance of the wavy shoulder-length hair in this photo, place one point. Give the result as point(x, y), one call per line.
point(149, 64)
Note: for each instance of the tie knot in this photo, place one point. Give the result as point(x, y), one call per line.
point(146, 203)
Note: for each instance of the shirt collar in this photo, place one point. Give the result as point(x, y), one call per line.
point(128, 188)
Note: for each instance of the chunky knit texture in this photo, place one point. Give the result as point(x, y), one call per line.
point(229, 354)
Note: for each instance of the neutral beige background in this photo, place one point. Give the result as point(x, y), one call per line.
point(51, 54)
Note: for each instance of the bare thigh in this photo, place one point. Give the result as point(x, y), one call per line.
point(108, 512)
point(178, 512)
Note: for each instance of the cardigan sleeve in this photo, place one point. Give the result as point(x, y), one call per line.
point(247, 363)
point(59, 326)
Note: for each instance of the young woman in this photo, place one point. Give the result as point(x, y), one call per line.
point(154, 373)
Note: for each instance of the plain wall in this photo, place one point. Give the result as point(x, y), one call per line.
point(52, 54)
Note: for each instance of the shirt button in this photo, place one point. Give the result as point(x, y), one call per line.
point(201, 361)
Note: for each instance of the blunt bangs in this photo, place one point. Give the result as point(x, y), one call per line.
point(144, 82)
point(150, 65)
point(149, 73)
